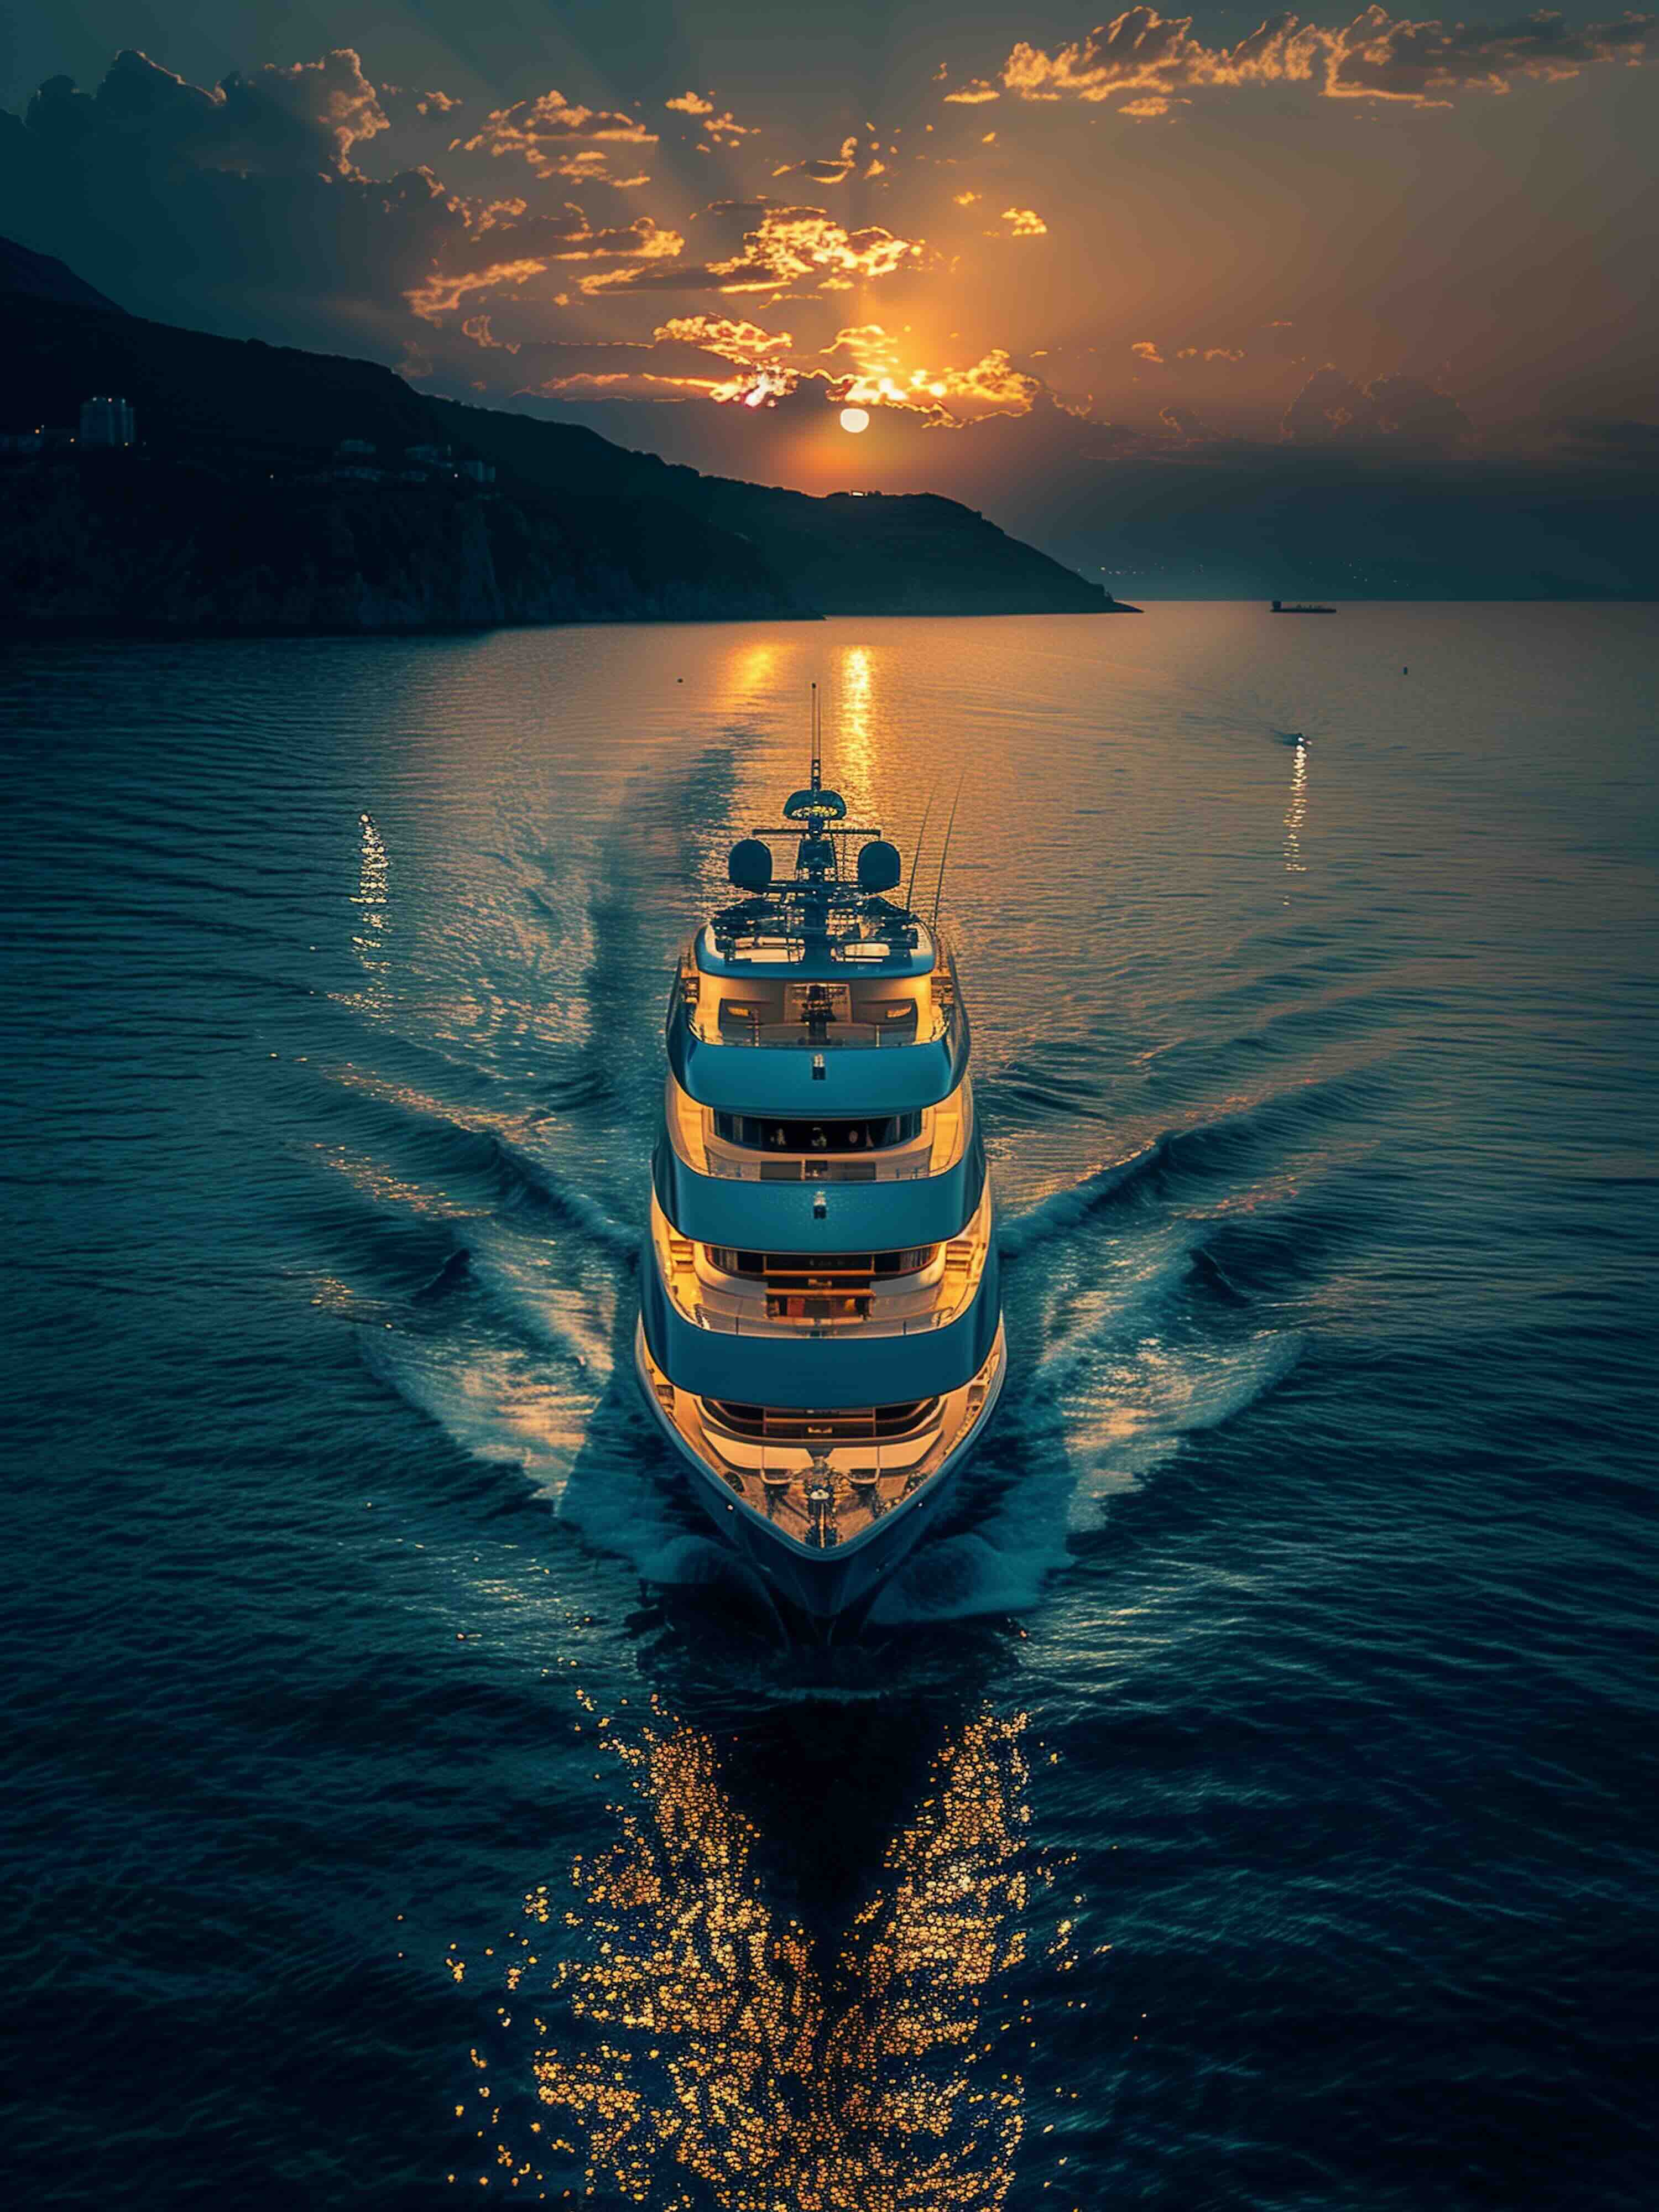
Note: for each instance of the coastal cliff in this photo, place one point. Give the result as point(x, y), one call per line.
point(276, 490)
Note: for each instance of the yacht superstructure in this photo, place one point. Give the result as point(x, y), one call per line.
point(820, 1334)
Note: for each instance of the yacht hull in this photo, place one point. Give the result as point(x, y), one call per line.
point(823, 1585)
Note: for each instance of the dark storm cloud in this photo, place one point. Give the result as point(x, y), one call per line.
point(177, 196)
point(277, 121)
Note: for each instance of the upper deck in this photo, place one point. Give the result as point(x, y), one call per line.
point(877, 981)
point(826, 958)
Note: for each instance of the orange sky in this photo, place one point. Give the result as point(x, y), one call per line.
point(1024, 245)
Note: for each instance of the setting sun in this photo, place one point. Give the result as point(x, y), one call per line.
point(854, 418)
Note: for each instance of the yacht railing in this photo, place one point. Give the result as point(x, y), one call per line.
point(830, 1169)
point(733, 1324)
point(829, 1036)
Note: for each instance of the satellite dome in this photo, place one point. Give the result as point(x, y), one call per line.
point(800, 804)
point(751, 865)
point(880, 867)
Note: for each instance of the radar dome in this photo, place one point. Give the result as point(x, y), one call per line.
point(751, 865)
point(878, 866)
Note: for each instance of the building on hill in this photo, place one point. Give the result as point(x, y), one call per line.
point(107, 422)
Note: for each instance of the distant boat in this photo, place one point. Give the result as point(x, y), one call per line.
point(1279, 608)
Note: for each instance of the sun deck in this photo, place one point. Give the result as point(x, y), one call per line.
point(835, 991)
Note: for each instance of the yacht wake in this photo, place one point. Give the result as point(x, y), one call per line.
point(1130, 1343)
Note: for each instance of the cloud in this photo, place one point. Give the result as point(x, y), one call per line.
point(1376, 56)
point(965, 200)
point(801, 246)
point(495, 254)
point(1022, 222)
point(242, 204)
point(691, 357)
point(971, 94)
point(733, 340)
point(333, 92)
point(837, 168)
point(1147, 350)
point(737, 364)
point(1183, 424)
point(262, 125)
point(793, 244)
point(1331, 410)
point(948, 398)
point(1613, 440)
point(723, 129)
point(540, 130)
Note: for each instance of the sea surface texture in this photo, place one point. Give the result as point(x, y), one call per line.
point(1249, 1800)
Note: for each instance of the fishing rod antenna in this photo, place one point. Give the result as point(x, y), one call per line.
point(916, 851)
point(938, 888)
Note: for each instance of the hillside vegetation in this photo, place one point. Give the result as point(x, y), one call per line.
point(237, 510)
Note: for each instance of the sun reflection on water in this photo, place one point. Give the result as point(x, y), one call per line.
point(855, 750)
point(1296, 812)
point(706, 2059)
point(372, 897)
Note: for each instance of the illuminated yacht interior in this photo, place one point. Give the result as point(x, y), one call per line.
point(820, 1336)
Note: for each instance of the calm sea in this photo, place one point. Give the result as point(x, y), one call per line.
point(1249, 1801)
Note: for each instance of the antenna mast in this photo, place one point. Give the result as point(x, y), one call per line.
point(916, 851)
point(818, 744)
point(938, 889)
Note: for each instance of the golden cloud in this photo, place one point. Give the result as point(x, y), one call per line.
point(1376, 56)
point(1024, 223)
point(791, 243)
point(836, 168)
point(531, 127)
point(746, 342)
point(724, 130)
point(948, 397)
point(499, 252)
point(334, 93)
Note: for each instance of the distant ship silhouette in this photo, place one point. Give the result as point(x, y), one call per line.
point(1279, 608)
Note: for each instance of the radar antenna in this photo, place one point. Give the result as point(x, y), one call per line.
point(817, 743)
point(938, 889)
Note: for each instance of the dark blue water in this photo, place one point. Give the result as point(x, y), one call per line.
point(1248, 1802)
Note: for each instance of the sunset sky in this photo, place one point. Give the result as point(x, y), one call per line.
point(1136, 290)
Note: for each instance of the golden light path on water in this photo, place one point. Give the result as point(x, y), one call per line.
point(690, 2050)
point(1297, 813)
point(855, 667)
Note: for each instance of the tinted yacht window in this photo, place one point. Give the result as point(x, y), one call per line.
point(758, 1133)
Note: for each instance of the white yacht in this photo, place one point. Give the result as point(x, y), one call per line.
point(820, 1334)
